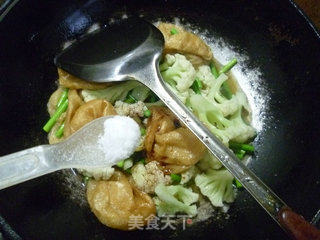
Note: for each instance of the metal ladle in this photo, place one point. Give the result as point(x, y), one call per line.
point(131, 49)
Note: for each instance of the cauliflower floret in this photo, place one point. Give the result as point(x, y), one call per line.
point(205, 76)
point(209, 162)
point(170, 59)
point(189, 174)
point(234, 128)
point(213, 94)
point(175, 198)
point(98, 173)
point(111, 94)
point(240, 132)
point(226, 106)
point(183, 96)
point(147, 177)
point(131, 110)
point(178, 70)
point(217, 186)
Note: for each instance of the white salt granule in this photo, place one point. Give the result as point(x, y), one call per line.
point(120, 138)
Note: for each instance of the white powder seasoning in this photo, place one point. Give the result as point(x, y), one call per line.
point(120, 138)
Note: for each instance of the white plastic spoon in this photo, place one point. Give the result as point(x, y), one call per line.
point(101, 143)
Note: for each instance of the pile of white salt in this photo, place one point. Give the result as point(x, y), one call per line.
point(120, 138)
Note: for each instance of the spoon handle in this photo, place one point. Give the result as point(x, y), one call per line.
point(297, 227)
point(24, 165)
point(262, 193)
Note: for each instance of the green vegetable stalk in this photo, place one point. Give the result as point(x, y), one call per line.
point(63, 98)
point(59, 132)
point(228, 67)
point(152, 97)
point(241, 146)
point(142, 131)
point(175, 178)
point(173, 31)
point(197, 86)
point(225, 88)
point(143, 161)
point(147, 113)
point(140, 93)
point(125, 164)
point(130, 98)
point(214, 70)
point(85, 180)
point(240, 154)
point(61, 109)
point(237, 184)
point(226, 91)
point(120, 164)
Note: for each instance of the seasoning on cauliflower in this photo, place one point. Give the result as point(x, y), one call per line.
point(217, 186)
point(178, 72)
point(130, 109)
point(147, 177)
point(98, 173)
point(175, 198)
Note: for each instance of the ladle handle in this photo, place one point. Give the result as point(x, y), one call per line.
point(297, 227)
point(24, 165)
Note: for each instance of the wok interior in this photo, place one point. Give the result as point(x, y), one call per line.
point(273, 36)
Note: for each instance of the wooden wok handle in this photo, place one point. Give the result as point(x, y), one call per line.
point(297, 226)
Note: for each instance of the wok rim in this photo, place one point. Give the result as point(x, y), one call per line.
point(8, 232)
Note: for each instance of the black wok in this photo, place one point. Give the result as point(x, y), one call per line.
point(273, 34)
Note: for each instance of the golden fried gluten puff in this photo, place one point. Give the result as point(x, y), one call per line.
point(161, 121)
point(69, 81)
point(178, 147)
point(53, 101)
point(170, 144)
point(115, 202)
point(90, 111)
point(196, 61)
point(184, 42)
